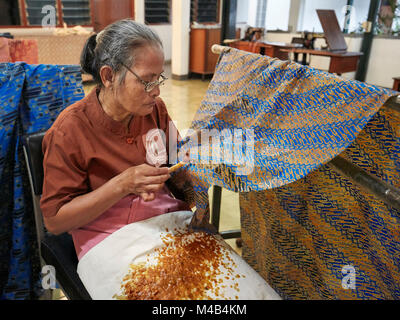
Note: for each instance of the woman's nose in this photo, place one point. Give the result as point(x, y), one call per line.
point(155, 92)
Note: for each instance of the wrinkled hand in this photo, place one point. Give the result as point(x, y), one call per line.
point(200, 222)
point(143, 180)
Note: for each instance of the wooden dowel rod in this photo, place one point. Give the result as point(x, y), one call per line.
point(218, 49)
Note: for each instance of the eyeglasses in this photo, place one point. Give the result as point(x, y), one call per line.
point(148, 85)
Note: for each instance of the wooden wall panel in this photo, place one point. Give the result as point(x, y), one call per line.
point(106, 12)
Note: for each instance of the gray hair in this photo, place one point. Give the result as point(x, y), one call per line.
point(116, 46)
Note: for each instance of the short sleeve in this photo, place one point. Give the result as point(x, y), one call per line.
point(64, 174)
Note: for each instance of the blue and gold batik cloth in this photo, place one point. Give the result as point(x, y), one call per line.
point(31, 97)
point(303, 226)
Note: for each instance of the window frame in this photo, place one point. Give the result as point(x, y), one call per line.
point(211, 22)
point(159, 23)
point(60, 21)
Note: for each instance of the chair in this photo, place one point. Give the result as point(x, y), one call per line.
point(57, 251)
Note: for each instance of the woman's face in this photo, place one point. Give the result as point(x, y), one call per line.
point(131, 96)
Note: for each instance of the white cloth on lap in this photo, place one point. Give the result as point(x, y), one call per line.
point(105, 265)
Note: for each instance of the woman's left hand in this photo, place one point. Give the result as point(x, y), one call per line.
point(201, 222)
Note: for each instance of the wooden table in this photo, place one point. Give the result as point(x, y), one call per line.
point(276, 49)
point(271, 49)
point(340, 62)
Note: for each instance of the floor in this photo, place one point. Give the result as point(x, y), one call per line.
point(182, 99)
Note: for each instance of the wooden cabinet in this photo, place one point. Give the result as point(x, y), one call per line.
point(202, 60)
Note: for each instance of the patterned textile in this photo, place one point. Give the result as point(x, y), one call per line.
point(300, 236)
point(24, 50)
point(300, 118)
point(31, 97)
point(296, 117)
point(13, 50)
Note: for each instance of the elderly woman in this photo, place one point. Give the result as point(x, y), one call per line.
point(96, 179)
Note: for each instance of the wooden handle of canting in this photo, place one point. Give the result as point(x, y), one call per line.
point(176, 166)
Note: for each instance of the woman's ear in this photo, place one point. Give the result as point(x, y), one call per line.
point(107, 76)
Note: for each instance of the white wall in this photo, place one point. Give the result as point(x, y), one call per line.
point(277, 15)
point(180, 37)
point(139, 10)
point(384, 62)
point(252, 12)
point(165, 33)
point(242, 11)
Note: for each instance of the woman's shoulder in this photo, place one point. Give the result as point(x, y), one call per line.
point(73, 116)
point(71, 121)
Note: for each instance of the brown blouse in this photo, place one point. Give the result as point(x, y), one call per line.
point(85, 148)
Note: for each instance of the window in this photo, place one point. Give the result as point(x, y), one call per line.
point(76, 12)
point(204, 11)
point(389, 18)
point(9, 13)
point(396, 21)
point(36, 12)
point(156, 11)
point(309, 21)
point(260, 13)
point(358, 14)
point(242, 11)
point(266, 14)
point(277, 15)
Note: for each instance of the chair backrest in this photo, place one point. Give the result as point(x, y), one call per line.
point(34, 158)
point(32, 146)
point(57, 251)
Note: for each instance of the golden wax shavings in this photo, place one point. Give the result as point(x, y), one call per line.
point(188, 266)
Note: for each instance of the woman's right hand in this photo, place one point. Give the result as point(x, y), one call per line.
point(143, 180)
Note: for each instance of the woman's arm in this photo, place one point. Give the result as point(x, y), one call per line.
point(143, 180)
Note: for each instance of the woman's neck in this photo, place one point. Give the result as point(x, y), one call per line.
point(112, 109)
